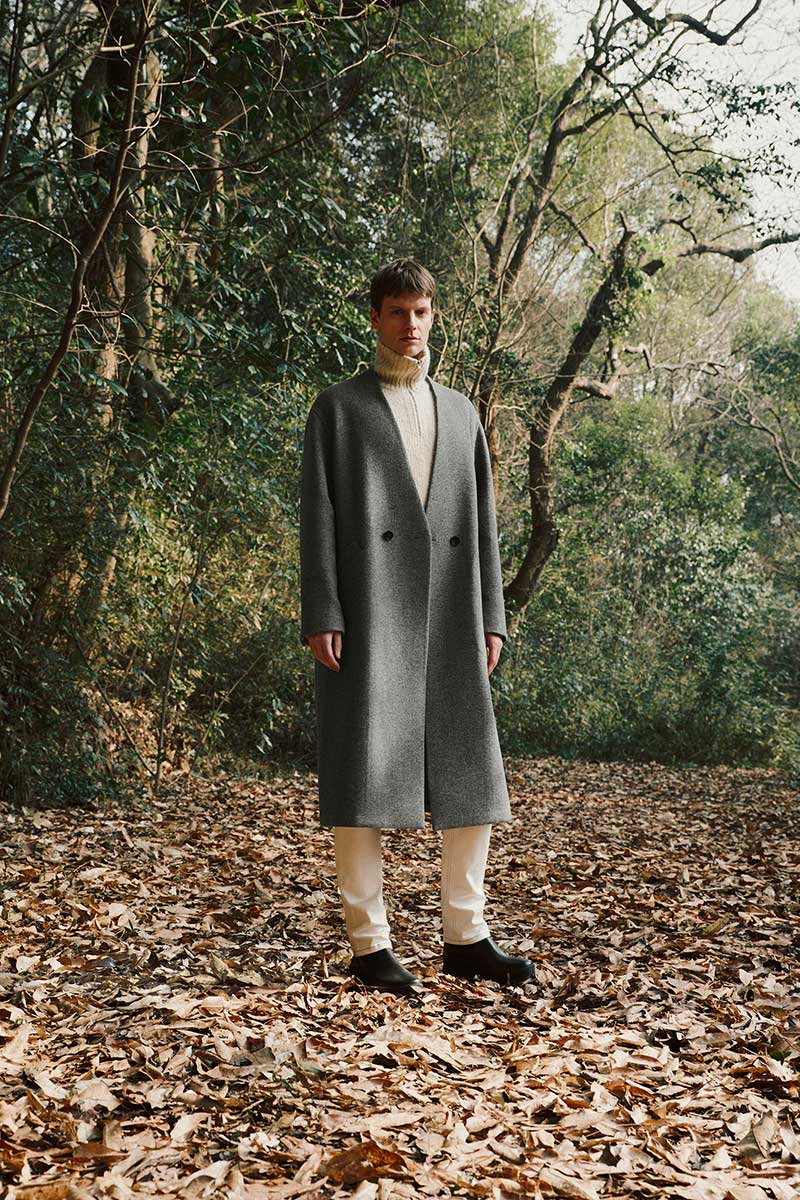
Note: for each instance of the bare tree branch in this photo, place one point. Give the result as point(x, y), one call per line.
point(737, 254)
point(659, 24)
point(575, 227)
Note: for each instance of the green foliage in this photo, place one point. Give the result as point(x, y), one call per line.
point(630, 299)
point(658, 633)
point(53, 749)
point(151, 556)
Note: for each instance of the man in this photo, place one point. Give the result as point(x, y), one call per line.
point(402, 607)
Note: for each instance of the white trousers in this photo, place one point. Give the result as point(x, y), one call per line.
point(359, 873)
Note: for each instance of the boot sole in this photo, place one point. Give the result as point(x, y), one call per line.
point(401, 987)
point(473, 976)
point(397, 989)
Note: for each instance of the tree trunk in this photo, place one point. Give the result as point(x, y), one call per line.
point(487, 411)
point(546, 419)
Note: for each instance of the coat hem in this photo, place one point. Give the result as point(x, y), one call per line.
point(469, 823)
point(368, 825)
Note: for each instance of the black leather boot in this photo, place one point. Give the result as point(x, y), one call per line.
point(485, 960)
point(381, 970)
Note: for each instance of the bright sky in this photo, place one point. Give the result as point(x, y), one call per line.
point(767, 51)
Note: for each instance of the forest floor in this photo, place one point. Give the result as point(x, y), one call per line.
point(175, 1017)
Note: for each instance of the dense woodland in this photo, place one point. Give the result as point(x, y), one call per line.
point(193, 198)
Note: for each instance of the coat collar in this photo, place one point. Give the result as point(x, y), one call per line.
point(372, 384)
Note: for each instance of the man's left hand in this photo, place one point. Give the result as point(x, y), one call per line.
point(494, 644)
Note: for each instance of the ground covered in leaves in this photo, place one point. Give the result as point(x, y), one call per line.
point(175, 1018)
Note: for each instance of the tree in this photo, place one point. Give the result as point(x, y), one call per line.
point(523, 182)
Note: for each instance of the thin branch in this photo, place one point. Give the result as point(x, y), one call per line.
point(737, 254)
point(116, 192)
point(573, 224)
point(659, 24)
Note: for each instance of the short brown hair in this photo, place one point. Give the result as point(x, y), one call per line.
point(403, 275)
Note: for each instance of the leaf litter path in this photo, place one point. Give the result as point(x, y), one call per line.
point(175, 1018)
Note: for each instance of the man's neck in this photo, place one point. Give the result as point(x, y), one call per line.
point(403, 369)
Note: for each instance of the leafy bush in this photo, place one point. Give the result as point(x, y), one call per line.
point(657, 629)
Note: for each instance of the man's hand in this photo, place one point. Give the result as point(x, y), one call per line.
point(494, 644)
point(327, 648)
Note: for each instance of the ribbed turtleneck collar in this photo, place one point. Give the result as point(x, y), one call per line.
point(394, 368)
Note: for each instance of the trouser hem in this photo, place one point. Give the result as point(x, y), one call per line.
point(477, 937)
point(360, 948)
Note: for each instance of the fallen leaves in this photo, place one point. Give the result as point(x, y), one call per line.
point(176, 1020)
point(365, 1160)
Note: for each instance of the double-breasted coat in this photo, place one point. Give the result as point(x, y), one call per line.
point(407, 721)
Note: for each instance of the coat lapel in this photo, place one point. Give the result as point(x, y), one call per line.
point(440, 449)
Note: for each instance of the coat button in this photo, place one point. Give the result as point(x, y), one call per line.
point(387, 536)
point(455, 539)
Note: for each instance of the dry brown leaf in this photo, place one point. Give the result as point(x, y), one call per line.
point(567, 1185)
point(366, 1160)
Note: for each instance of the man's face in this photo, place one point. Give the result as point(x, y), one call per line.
point(404, 322)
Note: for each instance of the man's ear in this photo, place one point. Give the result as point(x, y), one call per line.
point(374, 317)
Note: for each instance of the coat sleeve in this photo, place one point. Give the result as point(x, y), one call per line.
point(319, 598)
point(494, 617)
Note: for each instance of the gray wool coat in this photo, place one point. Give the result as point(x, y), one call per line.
point(407, 723)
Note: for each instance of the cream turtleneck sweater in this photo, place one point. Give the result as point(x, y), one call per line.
point(404, 382)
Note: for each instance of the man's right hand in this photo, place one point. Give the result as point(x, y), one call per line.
point(327, 648)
